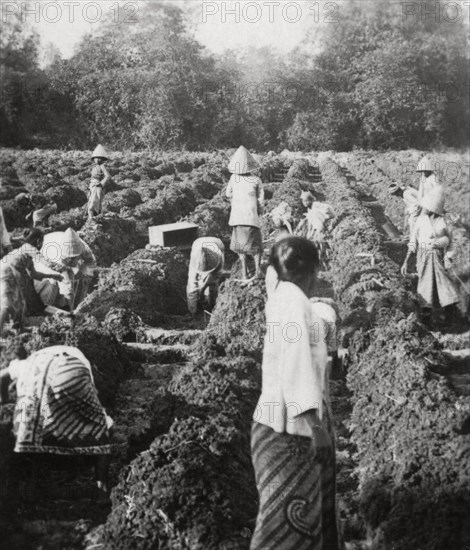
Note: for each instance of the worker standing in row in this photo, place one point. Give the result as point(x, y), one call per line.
point(99, 178)
point(246, 193)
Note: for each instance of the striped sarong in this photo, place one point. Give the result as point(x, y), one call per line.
point(57, 409)
point(297, 509)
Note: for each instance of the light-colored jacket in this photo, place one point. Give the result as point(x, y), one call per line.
point(207, 258)
point(247, 195)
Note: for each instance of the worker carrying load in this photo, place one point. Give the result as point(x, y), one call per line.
point(57, 407)
point(99, 177)
point(431, 240)
point(246, 193)
point(282, 217)
point(411, 196)
point(428, 178)
point(313, 226)
point(205, 265)
point(70, 255)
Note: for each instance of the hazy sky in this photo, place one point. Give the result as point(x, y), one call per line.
point(217, 24)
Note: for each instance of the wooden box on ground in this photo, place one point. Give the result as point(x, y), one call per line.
point(180, 235)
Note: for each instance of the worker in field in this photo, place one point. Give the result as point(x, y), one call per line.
point(313, 226)
point(41, 211)
point(99, 177)
point(57, 407)
point(428, 181)
point(431, 239)
point(205, 265)
point(70, 255)
point(247, 196)
point(292, 435)
point(17, 292)
point(5, 243)
point(428, 177)
point(410, 198)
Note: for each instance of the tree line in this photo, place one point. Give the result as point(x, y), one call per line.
point(372, 80)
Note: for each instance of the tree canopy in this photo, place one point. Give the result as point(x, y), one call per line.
point(373, 80)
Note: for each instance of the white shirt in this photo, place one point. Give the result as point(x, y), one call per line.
point(294, 362)
point(246, 193)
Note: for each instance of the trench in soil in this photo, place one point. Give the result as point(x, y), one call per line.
point(54, 505)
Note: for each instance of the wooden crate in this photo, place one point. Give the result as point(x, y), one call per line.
point(180, 235)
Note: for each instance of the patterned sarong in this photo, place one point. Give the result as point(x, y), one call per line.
point(57, 409)
point(297, 509)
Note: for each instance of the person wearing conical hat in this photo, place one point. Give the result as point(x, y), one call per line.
point(430, 239)
point(246, 193)
point(70, 255)
point(99, 177)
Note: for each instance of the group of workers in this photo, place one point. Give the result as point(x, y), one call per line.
point(292, 439)
point(55, 267)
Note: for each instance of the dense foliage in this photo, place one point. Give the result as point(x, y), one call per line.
point(373, 78)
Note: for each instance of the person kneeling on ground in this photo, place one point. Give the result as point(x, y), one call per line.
point(17, 274)
point(69, 254)
point(246, 193)
point(57, 407)
point(207, 260)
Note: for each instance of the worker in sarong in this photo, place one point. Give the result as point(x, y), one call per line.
point(5, 243)
point(246, 193)
point(313, 226)
point(99, 177)
point(292, 434)
point(17, 273)
point(431, 239)
point(70, 255)
point(57, 407)
point(205, 264)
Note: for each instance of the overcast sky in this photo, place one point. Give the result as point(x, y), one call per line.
point(217, 24)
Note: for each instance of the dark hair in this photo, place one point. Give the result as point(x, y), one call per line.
point(33, 236)
point(294, 259)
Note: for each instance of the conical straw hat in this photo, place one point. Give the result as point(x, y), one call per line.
point(425, 165)
point(434, 201)
point(71, 245)
point(100, 152)
point(242, 162)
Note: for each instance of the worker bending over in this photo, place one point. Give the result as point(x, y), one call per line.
point(207, 260)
